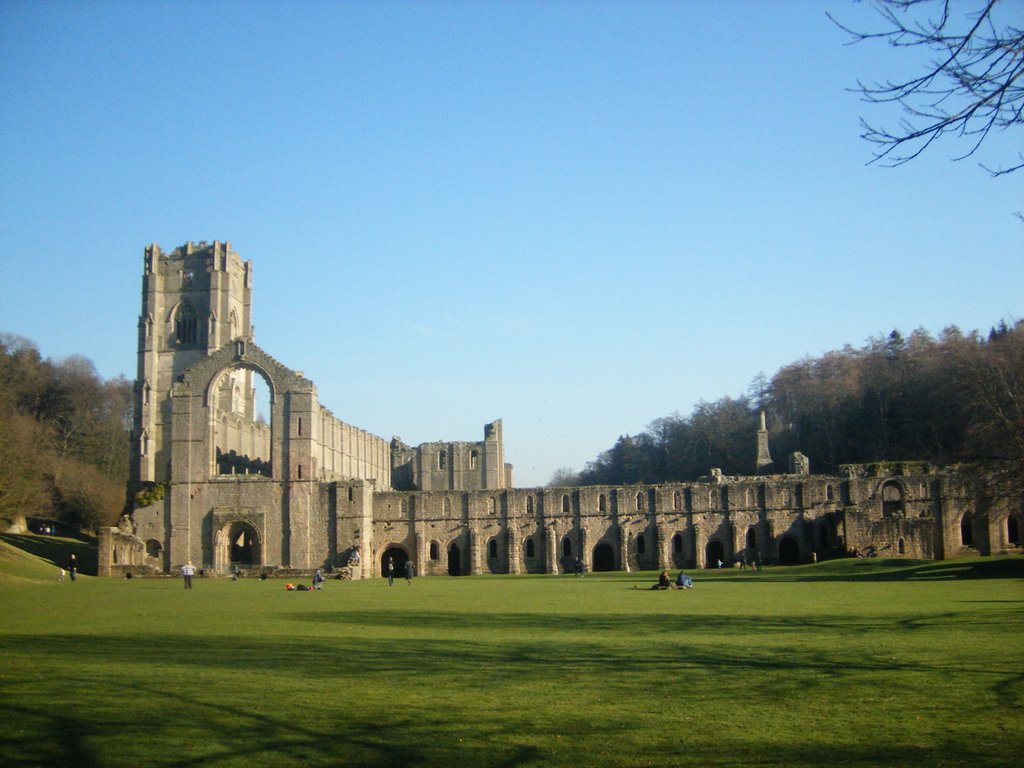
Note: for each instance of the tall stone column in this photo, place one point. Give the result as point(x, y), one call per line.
point(623, 549)
point(585, 553)
point(420, 555)
point(474, 552)
point(662, 544)
point(513, 549)
point(551, 550)
point(700, 541)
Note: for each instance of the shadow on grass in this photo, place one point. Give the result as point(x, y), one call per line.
point(183, 722)
point(58, 549)
point(876, 569)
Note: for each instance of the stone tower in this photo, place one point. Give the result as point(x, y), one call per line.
point(763, 464)
point(194, 300)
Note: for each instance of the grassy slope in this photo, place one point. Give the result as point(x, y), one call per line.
point(854, 662)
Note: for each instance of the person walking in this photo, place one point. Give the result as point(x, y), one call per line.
point(72, 566)
point(410, 571)
point(188, 571)
point(391, 572)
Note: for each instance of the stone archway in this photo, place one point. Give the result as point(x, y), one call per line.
point(715, 553)
point(789, 551)
point(454, 560)
point(238, 544)
point(398, 556)
point(604, 557)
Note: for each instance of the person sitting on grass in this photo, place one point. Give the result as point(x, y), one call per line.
point(683, 581)
point(664, 581)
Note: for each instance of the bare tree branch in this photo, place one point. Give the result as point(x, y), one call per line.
point(973, 83)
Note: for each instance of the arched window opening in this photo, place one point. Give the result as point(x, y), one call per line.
point(604, 558)
point(529, 548)
point(752, 537)
point(529, 505)
point(447, 505)
point(892, 500)
point(789, 551)
point(602, 503)
point(240, 405)
point(153, 548)
point(492, 505)
point(677, 500)
point(243, 545)
point(300, 426)
point(966, 532)
point(473, 458)
point(565, 504)
point(677, 543)
point(442, 459)
point(492, 549)
point(435, 551)
point(901, 547)
point(641, 544)
point(566, 547)
point(454, 560)
point(1013, 531)
point(186, 325)
point(639, 502)
point(829, 493)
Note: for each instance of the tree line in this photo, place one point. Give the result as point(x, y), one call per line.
point(958, 398)
point(64, 439)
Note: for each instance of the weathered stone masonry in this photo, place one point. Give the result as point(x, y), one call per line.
point(297, 488)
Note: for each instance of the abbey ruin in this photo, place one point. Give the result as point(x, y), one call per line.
point(221, 484)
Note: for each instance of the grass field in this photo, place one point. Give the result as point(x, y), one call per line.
point(858, 662)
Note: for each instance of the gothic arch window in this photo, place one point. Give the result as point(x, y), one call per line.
point(901, 546)
point(751, 537)
point(677, 500)
point(148, 324)
point(602, 503)
point(566, 547)
point(473, 458)
point(565, 504)
point(892, 499)
point(435, 551)
point(641, 544)
point(492, 549)
point(639, 502)
point(146, 392)
point(677, 543)
point(529, 548)
point(966, 532)
point(144, 443)
point(492, 505)
point(748, 499)
point(447, 505)
point(529, 505)
point(442, 460)
point(829, 493)
point(186, 325)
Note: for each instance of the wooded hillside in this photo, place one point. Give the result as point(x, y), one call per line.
point(957, 398)
point(64, 439)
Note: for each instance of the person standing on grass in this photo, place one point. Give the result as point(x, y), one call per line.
point(410, 571)
point(72, 566)
point(391, 572)
point(188, 571)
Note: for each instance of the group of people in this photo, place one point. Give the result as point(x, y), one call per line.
point(410, 571)
point(682, 581)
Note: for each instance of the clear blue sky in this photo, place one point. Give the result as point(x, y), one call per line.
point(574, 216)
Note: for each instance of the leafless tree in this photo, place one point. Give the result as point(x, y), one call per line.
point(972, 85)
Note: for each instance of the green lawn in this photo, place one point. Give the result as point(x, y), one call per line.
point(860, 663)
